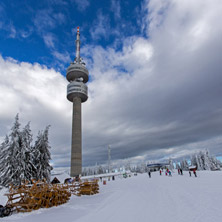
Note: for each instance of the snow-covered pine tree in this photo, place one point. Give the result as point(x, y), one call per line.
point(4, 151)
point(200, 160)
point(184, 165)
point(206, 161)
point(11, 171)
point(42, 156)
point(29, 169)
point(171, 166)
point(177, 166)
point(195, 161)
point(18, 173)
point(215, 164)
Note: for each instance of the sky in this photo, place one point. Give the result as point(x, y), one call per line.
point(155, 76)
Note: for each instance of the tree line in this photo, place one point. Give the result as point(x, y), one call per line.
point(21, 159)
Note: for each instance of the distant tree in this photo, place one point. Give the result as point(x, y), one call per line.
point(215, 164)
point(195, 161)
point(204, 161)
point(177, 166)
point(100, 170)
point(184, 165)
point(171, 166)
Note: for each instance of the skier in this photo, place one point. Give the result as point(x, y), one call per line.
point(181, 171)
point(149, 173)
point(160, 172)
point(194, 172)
point(190, 173)
point(170, 173)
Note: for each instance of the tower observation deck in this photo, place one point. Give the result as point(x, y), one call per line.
point(77, 93)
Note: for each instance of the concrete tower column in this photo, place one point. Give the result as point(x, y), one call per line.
point(76, 153)
point(77, 93)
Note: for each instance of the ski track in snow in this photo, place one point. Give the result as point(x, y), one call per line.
point(140, 199)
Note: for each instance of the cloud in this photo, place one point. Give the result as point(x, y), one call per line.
point(46, 19)
point(39, 95)
point(7, 24)
point(64, 57)
point(82, 4)
point(49, 40)
point(161, 92)
point(100, 27)
point(116, 9)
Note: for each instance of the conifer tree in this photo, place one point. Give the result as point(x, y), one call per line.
point(42, 156)
point(4, 151)
point(19, 161)
point(29, 169)
point(11, 170)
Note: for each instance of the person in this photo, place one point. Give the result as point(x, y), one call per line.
point(149, 173)
point(166, 173)
point(195, 174)
point(170, 174)
point(181, 171)
point(190, 173)
point(77, 178)
point(160, 172)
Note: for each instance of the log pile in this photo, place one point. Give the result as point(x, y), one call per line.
point(89, 188)
point(84, 188)
point(26, 198)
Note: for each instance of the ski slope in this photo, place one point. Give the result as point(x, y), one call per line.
point(140, 199)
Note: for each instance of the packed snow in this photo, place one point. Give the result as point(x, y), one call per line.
point(140, 198)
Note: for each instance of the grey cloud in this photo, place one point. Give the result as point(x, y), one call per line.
point(176, 100)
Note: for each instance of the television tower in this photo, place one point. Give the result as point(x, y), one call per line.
point(77, 93)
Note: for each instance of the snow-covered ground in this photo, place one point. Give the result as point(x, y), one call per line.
point(141, 199)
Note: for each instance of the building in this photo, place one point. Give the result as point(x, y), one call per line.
point(77, 93)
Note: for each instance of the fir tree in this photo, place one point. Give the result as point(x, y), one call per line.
point(42, 156)
point(29, 170)
point(4, 152)
point(19, 161)
point(11, 169)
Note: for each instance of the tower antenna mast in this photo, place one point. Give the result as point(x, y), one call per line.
point(109, 158)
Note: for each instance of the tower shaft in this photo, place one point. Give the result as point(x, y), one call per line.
point(76, 152)
point(77, 93)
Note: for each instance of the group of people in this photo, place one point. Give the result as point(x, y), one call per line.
point(168, 172)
